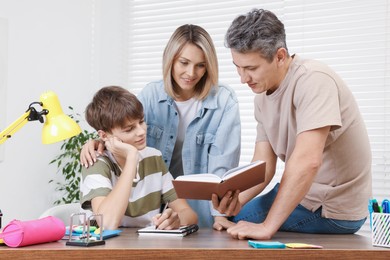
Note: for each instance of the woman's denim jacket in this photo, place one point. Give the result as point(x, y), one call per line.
point(213, 139)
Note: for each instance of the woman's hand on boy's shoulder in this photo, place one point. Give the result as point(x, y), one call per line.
point(89, 152)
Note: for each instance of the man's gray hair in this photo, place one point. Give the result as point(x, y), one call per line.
point(259, 30)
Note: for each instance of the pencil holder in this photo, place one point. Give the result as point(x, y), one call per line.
point(23, 233)
point(380, 229)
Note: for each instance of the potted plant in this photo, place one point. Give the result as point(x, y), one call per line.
point(68, 164)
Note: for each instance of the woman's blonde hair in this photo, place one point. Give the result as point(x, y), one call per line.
point(198, 36)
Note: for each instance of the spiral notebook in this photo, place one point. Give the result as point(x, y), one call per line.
point(181, 232)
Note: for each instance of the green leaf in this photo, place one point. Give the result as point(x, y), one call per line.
point(68, 164)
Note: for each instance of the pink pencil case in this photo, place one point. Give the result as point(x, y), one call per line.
point(23, 233)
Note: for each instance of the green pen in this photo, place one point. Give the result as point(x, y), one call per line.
point(375, 205)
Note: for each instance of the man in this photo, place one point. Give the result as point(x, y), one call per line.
point(309, 119)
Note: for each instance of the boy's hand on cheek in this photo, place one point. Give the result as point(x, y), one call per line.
point(119, 148)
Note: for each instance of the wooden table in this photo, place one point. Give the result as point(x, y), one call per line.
point(204, 244)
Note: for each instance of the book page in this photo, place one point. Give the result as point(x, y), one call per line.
point(197, 187)
point(235, 171)
point(152, 229)
point(204, 177)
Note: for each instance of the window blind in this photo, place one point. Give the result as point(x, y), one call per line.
point(351, 36)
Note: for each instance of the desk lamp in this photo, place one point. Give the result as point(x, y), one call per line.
point(57, 127)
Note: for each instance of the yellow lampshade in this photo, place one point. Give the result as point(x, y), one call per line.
point(58, 126)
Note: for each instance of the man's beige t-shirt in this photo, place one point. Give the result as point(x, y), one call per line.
point(313, 96)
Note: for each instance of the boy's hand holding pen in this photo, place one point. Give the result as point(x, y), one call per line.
point(168, 219)
point(160, 219)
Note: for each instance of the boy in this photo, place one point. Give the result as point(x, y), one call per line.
point(130, 181)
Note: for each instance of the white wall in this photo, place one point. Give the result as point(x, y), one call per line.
point(3, 72)
point(71, 47)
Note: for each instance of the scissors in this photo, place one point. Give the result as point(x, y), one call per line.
point(386, 206)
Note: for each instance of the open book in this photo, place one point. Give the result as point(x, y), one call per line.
point(202, 186)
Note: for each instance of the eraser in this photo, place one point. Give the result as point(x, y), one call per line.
point(266, 244)
point(302, 246)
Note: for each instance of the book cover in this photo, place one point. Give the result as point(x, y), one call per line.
point(202, 186)
point(181, 232)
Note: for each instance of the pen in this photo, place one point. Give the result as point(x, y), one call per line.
point(375, 206)
point(166, 206)
point(386, 206)
point(370, 210)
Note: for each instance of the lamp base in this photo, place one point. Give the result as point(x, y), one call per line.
point(85, 243)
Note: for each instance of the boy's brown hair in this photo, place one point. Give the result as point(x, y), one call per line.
point(112, 107)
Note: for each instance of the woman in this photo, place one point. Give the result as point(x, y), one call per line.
point(191, 119)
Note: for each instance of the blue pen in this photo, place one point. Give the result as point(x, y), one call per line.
point(370, 210)
point(386, 206)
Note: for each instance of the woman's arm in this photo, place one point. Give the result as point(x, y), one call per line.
point(224, 153)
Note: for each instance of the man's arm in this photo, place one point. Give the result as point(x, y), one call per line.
point(300, 171)
point(264, 152)
point(232, 202)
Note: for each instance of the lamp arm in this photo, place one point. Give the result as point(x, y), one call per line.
point(57, 127)
point(14, 127)
point(30, 115)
